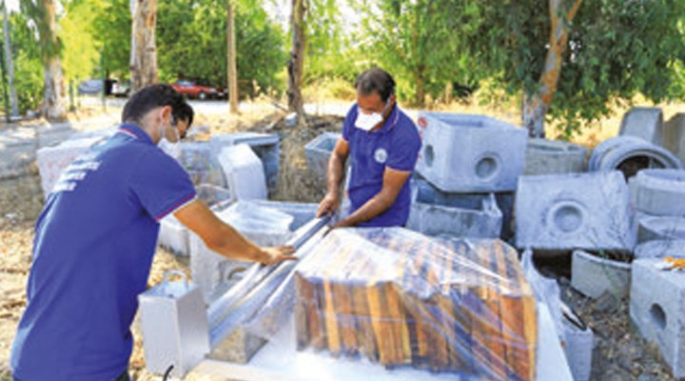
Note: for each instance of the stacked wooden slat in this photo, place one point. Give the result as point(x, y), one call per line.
point(399, 298)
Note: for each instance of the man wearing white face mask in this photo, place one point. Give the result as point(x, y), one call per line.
point(95, 240)
point(383, 145)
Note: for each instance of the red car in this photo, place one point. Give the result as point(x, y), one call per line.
point(193, 90)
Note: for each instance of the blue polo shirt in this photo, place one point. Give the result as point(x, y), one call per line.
point(395, 145)
point(92, 254)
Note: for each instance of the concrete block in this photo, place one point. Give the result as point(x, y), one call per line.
point(660, 228)
point(553, 156)
point(674, 136)
point(660, 249)
point(215, 274)
point(244, 172)
point(630, 155)
point(318, 152)
point(202, 164)
point(578, 349)
point(660, 192)
point(265, 146)
point(589, 211)
point(436, 213)
point(657, 307)
point(593, 275)
point(470, 153)
point(644, 123)
point(54, 159)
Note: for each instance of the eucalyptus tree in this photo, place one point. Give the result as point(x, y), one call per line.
point(143, 62)
point(43, 14)
point(572, 58)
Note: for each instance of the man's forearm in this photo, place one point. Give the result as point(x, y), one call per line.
point(336, 167)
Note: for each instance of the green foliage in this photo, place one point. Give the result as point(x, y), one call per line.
point(417, 42)
point(80, 56)
point(111, 30)
point(191, 42)
point(28, 67)
point(616, 48)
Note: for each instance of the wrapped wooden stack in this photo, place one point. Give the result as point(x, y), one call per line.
point(399, 298)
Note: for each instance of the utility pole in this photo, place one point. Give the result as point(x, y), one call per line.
point(8, 60)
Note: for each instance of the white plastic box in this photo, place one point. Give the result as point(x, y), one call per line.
point(470, 153)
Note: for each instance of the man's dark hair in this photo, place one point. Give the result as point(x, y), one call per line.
point(184, 112)
point(375, 81)
point(153, 96)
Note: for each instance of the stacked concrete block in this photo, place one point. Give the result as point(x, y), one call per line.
point(674, 136)
point(552, 156)
point(657, 307)
point(265, 146)
point(202, 164)
point(318, 152)
point(630, 154)
point(470, 153)
point(578, 345)
point(594, 275)
point(660, 249)
point(264, 226)
point(54, 159)
point(435, 213)
point(645, 123)
point(660, 228)
point(244, 172)
point(589, 211)
point(660, 192)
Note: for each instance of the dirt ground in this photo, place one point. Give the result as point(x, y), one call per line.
point(619, 354)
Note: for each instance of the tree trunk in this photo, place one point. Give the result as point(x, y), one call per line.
point(296, 62)
point(232, 61)
point(143, 63)
point(535, 106)
point(8, 59)
point(53, 107)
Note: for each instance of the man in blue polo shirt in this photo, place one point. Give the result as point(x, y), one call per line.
point(383, 144)
point(95, 240)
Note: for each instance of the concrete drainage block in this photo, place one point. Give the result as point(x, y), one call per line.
point(645, 123)
point(674, 135)
point(318, 152)
point(435, 213)
point(588, 211)
point(553, 156)
point(53, 160)
point(244, 172)
point(660, 228)
point(660, 192)
point(470, 153)
point(657, 307)
point(630, 155)
point(593, 275)
point(661, 249)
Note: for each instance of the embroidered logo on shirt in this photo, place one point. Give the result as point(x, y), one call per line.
point(381, 155)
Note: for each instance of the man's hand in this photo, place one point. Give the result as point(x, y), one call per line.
point(329, 205)
point(274, 255)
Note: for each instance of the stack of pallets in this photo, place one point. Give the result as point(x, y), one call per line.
point(399, 298)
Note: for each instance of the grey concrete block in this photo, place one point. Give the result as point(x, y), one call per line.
point(657, 307)
point(244, 172)
point(630, 155)
point(593, 275)
point(202, 164)
point(54, 159)
point(588, 211)
point(470, 153)
point(674, 136)
point(645, 123)
point(660, 192)
point(578, 349)
point(436, 213)
point(265, 146)
point(660, 249)
point(660, 228)
point(318, 152)
point(553, 156)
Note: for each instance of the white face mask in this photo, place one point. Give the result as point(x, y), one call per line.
point(172, 149)
point(368, 121)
